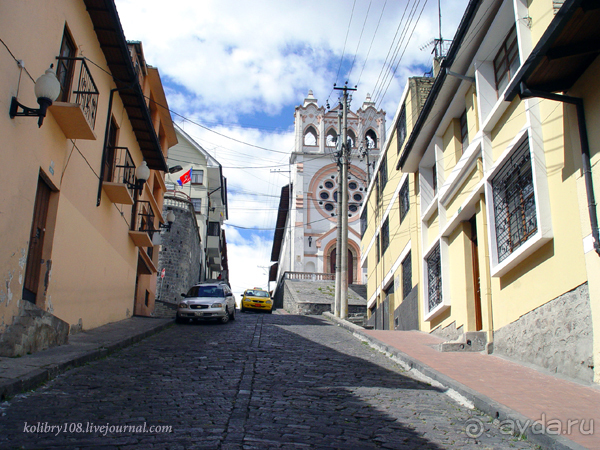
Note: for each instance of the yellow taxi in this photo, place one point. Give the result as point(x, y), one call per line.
point(256, 299)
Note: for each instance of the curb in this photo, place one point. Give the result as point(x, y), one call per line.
point(480, 401)
point(39, 376)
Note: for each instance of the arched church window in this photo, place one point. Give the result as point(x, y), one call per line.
point(310, 136)
point(351, 139)
point(331, 138)
point(371, 139)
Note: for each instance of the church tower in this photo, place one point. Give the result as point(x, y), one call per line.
point(308, 243)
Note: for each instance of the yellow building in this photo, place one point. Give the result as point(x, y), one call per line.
point(507, 261)
point(77, 219)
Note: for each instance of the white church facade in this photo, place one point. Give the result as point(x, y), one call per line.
point(305, 239)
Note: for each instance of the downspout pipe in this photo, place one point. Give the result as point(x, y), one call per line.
point(525, 92)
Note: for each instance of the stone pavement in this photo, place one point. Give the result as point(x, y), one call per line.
point(263, 381)
point(29, 371)
point(516, 395)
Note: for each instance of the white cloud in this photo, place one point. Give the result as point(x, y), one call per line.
point(225, 61)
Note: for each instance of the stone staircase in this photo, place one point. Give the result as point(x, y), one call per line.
point(316, 297)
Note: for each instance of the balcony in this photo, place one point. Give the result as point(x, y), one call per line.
point(76, 114)
point(142, 228)
point(119, 173)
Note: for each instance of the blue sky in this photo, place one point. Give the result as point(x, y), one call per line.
point(240, 68)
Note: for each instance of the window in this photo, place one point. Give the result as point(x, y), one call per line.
point(331, 138)
point(401, 128)
point(64, 71)
point(310, 136)
point(406, 276)
point(434, 179)
point(464, 131)
point(170, 186)
point(514, 202)
point(351, 138)
point(197, 202)
point(363, 222)
point(434, 278)
point(507, 60)
point(378, 248)
point(385, 234)
point(371, 139)
point(404, 201)
point(383, 171)
point(377, 190)
point(197, 176)
point(214, 228)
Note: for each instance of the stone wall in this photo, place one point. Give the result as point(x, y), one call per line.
point(556, 336)
point(317, 297)
point(180, 254)
point(164, 310)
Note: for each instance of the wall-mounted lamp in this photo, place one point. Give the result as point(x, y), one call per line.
point(47, 89)
point(170, 220)
point(309, 241)
point(142, 173)
point(174, 169)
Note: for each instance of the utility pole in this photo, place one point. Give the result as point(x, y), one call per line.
point(343, 214)
point(338, 253)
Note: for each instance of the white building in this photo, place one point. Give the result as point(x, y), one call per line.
point(311, 225)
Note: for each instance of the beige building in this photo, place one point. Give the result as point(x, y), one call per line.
point(77, 223)
point(503, 246)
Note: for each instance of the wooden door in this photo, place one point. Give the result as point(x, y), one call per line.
point(476, 277)
point(350, 265)
point(36, 242)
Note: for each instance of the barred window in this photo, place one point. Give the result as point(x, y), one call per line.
point(406, 276)
point(514, 202)
point(385, 234)
point(434, 278)
point(404, 201)
point(401, 128)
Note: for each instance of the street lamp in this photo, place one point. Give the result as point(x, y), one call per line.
point(47, 89)
point(142, 173)
point(170, 221)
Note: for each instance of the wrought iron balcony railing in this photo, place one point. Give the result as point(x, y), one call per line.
point(83, 92)
point(143, 218)
point(120, 167)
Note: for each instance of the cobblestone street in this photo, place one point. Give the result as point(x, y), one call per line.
point(259, 382)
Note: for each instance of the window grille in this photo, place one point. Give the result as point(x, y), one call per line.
point(514, 202)
point(385, 235)
point(434, 278)
point(404, 201)
point(406, 276)
point(401, 128)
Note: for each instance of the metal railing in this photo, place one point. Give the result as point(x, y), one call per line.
point(120, 167)
point(144, 218)
point(86, 91)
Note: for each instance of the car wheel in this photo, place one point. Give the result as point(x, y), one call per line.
point(270, 311)
point(225, 318)
point(233, 314)
point(242, 309)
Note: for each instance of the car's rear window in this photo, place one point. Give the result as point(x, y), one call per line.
point(205, 291)
point(251, 293)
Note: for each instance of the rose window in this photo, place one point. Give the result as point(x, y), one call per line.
point(327, 195)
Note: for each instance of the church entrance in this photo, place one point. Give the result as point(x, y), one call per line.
point(332, 258)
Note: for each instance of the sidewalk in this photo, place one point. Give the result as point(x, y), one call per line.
point(503, 389)
point(29, 371)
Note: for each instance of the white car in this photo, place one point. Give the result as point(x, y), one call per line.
point(206, 302)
